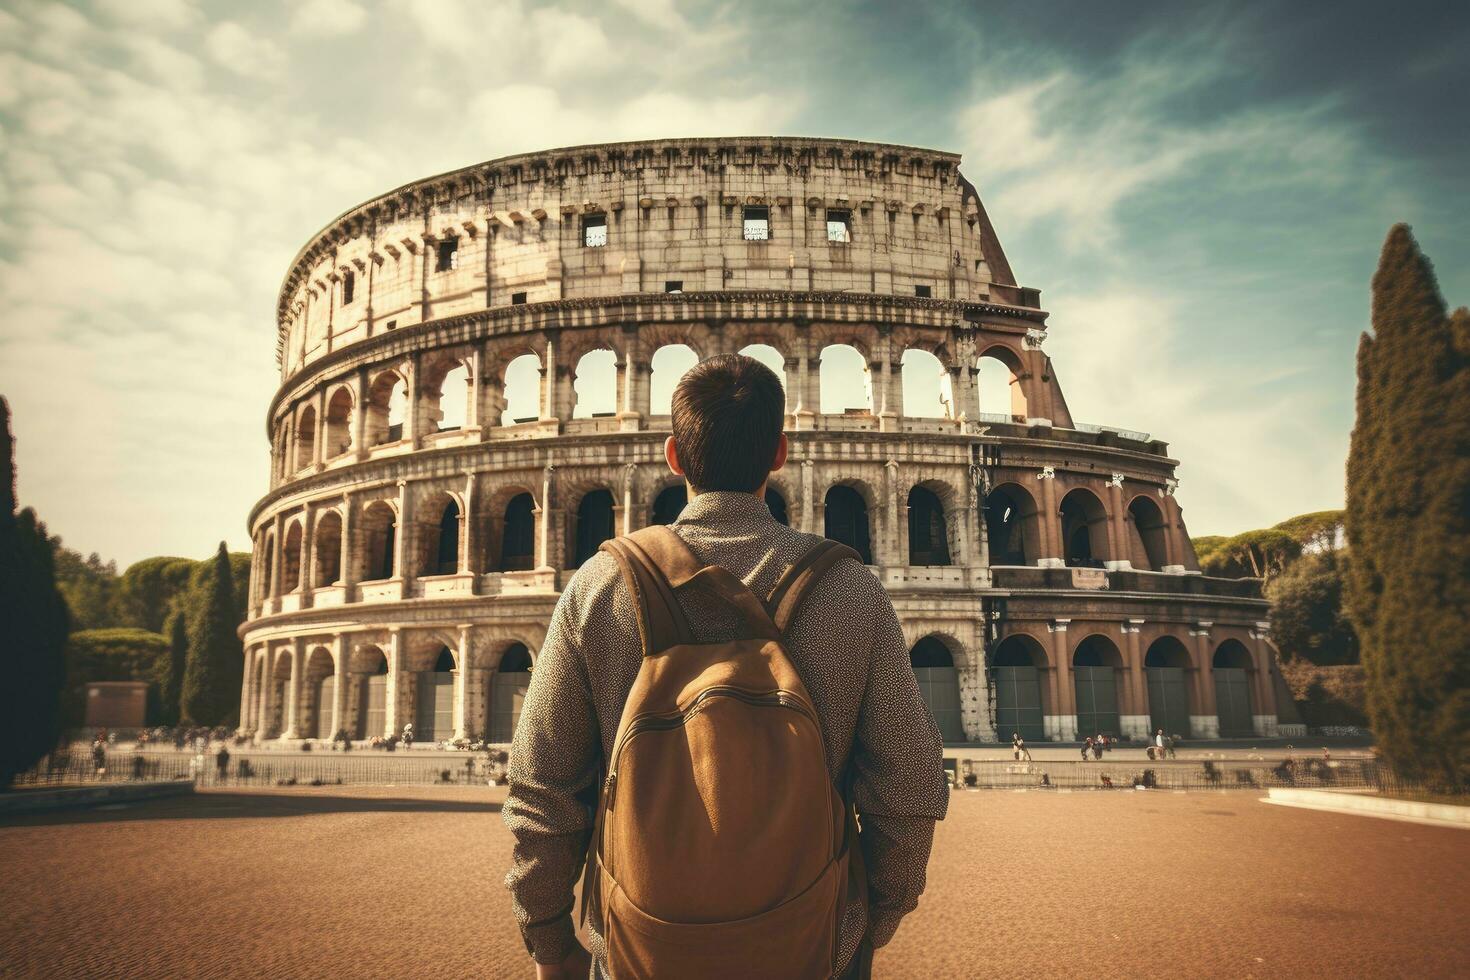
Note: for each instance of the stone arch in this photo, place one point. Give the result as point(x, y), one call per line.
point(1233, 670)
point(438, 533)
point(667, 365)
point(1099, 685)
point(1147, 534)
point(291, 558)
point(305, 438)
point(1012, 525)
point(776, 503)
point(337, 433)
point(933, 663)
point(268, 549)
point(317, 694)
point(668, 503)
point(446, 387)
point(326, 545)
point(378, 539)
point(1019, 672)
point(927, 389)
point(367, 691)
point(281, 458)
point(508, 684)
point(280, 679)
point(1000, 384)
point(433, 693)
point(593, 523)
point(595, 383)
point(386, 408)
point(846, 385)
point(1170, 673)
point(521, 388)
point(510, 541)
point(1084, 529)
point(772, 357)
point(928, 527)
point(847, 507)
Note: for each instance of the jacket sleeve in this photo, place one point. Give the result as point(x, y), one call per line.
point(552, 774)
point(899, 788)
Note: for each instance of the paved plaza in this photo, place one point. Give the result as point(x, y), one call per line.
point(406, 882)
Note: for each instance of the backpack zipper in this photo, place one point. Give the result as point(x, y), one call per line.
point(774, 699)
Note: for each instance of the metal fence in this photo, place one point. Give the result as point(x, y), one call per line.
point(1169, 774)
point(367, 768)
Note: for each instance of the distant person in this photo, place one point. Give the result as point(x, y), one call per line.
point(1159, 744)
point(813, 634)
point(1097, 747)
point(99, 755)
point(1172, 741)
point(407, 736)
point(222, 762)
point(1087, 748)
point(1016, 746)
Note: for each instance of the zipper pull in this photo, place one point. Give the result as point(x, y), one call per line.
point(608, 786)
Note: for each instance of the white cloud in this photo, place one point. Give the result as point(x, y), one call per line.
point(235, 48)
point(155, 14)
point(328, 18)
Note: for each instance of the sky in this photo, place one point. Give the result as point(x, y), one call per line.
point(1199, 194)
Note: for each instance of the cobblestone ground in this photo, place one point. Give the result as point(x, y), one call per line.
point(405, 882)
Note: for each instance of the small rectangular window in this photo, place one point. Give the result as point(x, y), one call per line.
point(594, 230)
point(517, 299)
point(673, 285)
point(757, 221)
point(923, 291)
point(349, 280)
point(446, 256)
point(392, 324)
point(839, 226)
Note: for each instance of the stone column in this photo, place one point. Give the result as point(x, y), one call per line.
point(1205, 724)
point(1053, 554)
point(549, 406)
point(630, 484)
point(392, 721)
point(893, 514)
point(545, 552)
point(340, 653)
point(808, 505)
point(1064, 693)
point(278, 548)
point(413, 414)
point(347, 567)
point(306, 581)
point(1135, 723)
point(359, 414)
point(319, 437)
point(1264, 718)
point(402, 552)
point(808, 386)
point(1175, 536)
point(246, 683)
point(462, 671)
point(293, 690)
point(267, 692)
point(471, 557)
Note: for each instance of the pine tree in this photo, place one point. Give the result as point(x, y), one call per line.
point(32, 664)
point(1408, 519)
point(214, 668)
point(171, 673)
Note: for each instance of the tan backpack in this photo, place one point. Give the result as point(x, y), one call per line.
point(721, 846)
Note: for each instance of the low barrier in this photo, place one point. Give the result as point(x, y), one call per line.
point(1176, 774)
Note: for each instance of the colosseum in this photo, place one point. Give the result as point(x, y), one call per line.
point(475, 380)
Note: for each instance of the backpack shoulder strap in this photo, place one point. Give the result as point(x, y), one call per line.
point(652, 568)
point(786, 598)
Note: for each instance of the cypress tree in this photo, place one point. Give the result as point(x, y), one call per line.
point(32, 642)
point(171, 673)
point(214, 667)
point(1408, 519)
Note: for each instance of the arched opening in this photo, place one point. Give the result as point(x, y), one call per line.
point(776, 504)
point(433, 717)
point(306, 438)
point(1011, 526)
point(1084, 530)
point(266, 586)
point(1232, 669)
point(928, 533)
point(668, 364)
point(595, 385)
point(379, 531)
point(518, 539)
point(327, 542)
point(669, 503)
point(1095, 666)
point(1015, 677)
point(443, 552)
point(594, 525)
point(369, 668)
point(508, 686)
point(998, 378)
point(387, 406)
point(846, 520)
point(939, 685)
point(847, 387)
point(454, 398)
point(291, 559)
point(318, 694)
point(927, 390)
point(1146, 531)
point(771, 358)
point(338, 434)
point(1166, 666)
point(522, 390)
point(276, 708)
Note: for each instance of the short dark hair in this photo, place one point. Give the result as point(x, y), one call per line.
point(728, 413)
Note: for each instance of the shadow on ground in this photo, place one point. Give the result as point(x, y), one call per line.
point(227, 805)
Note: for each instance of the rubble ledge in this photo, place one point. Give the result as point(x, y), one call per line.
point(32, 800)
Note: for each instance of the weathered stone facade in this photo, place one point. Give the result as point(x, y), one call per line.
point(405, 571)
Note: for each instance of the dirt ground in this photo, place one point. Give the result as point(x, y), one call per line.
point(406, 882)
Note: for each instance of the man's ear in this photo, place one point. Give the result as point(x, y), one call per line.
point(671, 456)
point(780, 458)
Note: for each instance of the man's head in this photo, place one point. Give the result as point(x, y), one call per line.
point(728, 413)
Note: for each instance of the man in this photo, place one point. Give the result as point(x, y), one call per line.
point(845, 643)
